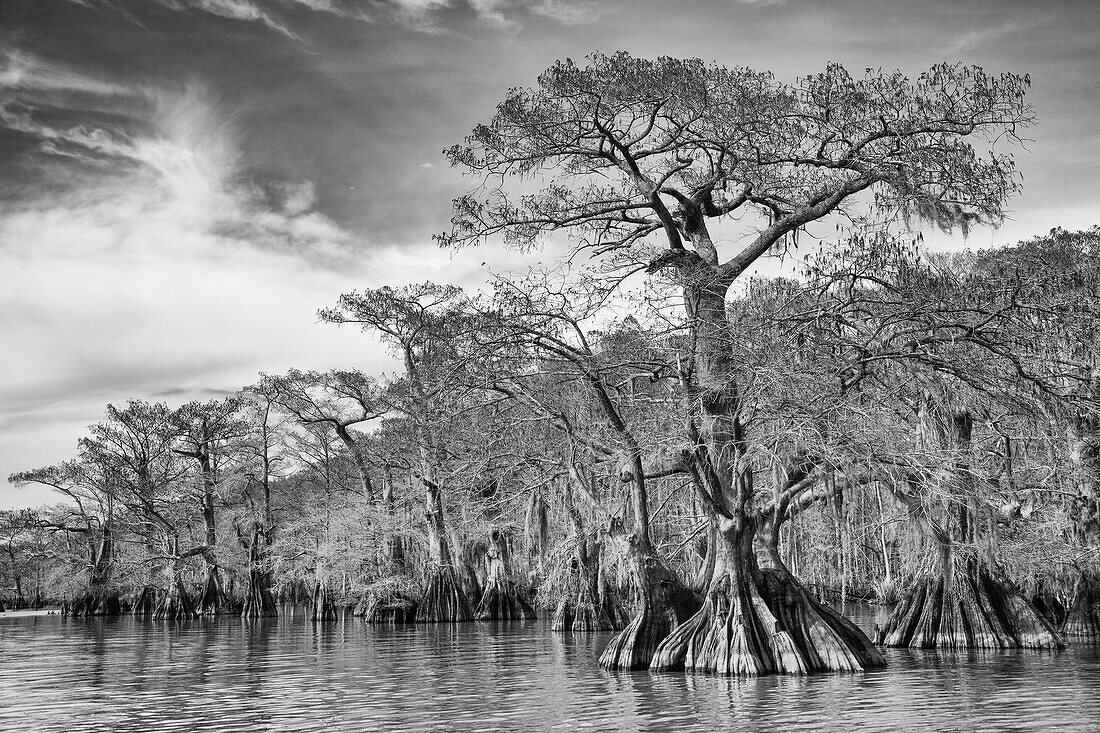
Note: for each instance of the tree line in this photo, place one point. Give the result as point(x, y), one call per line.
point(642, 437)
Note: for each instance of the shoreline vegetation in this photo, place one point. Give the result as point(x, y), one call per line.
point(643, 438)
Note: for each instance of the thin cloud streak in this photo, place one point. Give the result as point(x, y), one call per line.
point(425, 16)
point(972, 40)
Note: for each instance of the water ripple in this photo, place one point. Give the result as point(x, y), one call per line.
point(226, 674)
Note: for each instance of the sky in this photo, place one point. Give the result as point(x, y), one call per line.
point(183, 183)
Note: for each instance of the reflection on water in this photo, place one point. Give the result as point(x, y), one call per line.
point(226, 674)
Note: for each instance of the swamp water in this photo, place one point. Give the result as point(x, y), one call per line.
point(225, 674)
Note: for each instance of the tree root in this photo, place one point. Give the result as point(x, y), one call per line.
point(444, 600)
point(175, 604)
point(582, 610)
point(147, 602)
point(501, 600)
point(387, 608)
point(1083, 619)
point(665, 604)
point(749, 629)
point(324, 607)
point(970, 608)
point(93, 603)
point(214, 599)
point(259, 602)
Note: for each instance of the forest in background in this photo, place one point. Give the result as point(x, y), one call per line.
point(641, 438)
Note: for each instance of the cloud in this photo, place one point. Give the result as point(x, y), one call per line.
point(173, 167)
point(297, 198)
point(570, 13)
point(244, 10)
point(163, 264)
point(24, 71)
point(975, 39)
point(426, 16)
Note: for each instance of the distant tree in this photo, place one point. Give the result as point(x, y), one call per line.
point(421, 323)
point(91, 488)
point(207, 433)
point(338, 399)
point(21, 548)
point(256, 525)
point(136, 444)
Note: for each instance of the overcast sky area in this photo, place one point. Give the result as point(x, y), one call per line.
point(183, 183)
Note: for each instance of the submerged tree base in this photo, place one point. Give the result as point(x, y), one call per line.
point(1083, 618)
point(583, 610)
point(387, 608)
point(665, 604)
point(93, 604)
point(766, 626)
point(259, 601)
point(965, 604)
point(324, 607)
point(502, 600)
point(175, 604)
point(214, 599)
point(444, 600)
point(145, 603)
point(584, 615)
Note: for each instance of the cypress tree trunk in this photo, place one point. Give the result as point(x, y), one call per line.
point(214, 599)
point(664, 604)
point(173, 601)
point(1083, 433)
point(393, 546)
point(1083, 618)
point(591, 604)
point(387, 607)
point(445, 599)
point(501, 599)
point(960, 600)
point(148, 599)
point(324, 606)
point(752, 621)
point(259, 601)
point(963, 602)
point(100, 599)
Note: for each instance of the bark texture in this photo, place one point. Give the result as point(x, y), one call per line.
point(96, 602)
point(174, 603)
point(590, 602)
point(99, 599)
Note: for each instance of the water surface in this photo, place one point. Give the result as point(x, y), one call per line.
point(226, 674)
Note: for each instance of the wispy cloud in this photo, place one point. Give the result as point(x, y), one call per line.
point(570, 12)
point(426, 16)
point(21, 71)
point(176, 162)
point(975, 39)
point(244, 10)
